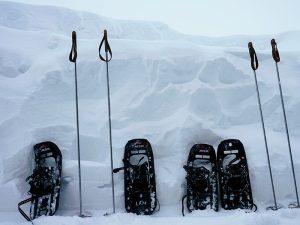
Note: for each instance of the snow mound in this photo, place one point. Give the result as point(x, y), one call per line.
point(173, 89)
point(62, 21)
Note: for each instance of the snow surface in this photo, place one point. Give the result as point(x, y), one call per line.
point(173, 89)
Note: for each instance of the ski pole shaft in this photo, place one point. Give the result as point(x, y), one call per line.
point(276, 58)
point(72, 58)
point(110, 135)
point(254, 65)
point(78, 144)
point(107, 59)
point(265, 139)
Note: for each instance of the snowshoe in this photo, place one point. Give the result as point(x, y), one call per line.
point(202, 182)
point(44, 181)
point(234, 181)
point(139, 177)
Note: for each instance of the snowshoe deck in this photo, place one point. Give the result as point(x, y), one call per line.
point(139, 177)
point(45, 181)
point(234, 181)
point(202, 182)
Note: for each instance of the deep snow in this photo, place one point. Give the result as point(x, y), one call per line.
point(173, 89)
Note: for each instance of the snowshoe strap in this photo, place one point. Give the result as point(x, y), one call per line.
point(198, 178)
point(249, 205)
point(21, 211)
point(116, 170)
point(275, 52)
point(106, 47)
point(254, 61)
point(73, 53)
point(235, 177)
point(182, 206)
point(184, 197)
point(41, 181)
point(255, 207)
point(141, 177)
point(157, 205)
point(196, 174)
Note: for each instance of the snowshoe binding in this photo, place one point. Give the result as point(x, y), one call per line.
point(139, 177)
point(234, 181)
point(44, 182)
point(202, 182)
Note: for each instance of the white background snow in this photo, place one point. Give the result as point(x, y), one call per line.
point(175, 90)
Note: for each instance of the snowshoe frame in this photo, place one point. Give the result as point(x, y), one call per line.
point(202, 180)
point(44, 182)
point(234, 181)
point(139, 177)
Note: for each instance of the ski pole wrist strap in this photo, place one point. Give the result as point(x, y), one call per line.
point(254, 61)
point(73, 53)
point(106, 47)
point(275, 52)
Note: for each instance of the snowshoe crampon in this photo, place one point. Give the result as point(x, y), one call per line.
point(202, 183)
point(139, 177)
point(234, 181)
point(44, 181)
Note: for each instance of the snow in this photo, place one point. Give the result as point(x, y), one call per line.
point(173, 89)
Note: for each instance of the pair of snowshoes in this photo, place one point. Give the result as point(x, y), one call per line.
point(44, 182)
point(139, 177)
point(206, 173)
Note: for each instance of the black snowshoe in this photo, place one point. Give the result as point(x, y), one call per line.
point(202, 181)
point(139, 177)
point(234, 181)
point(44, 182)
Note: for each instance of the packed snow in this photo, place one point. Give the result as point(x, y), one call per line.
point(174, 89)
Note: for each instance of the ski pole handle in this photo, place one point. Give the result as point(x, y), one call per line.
point(254, 61)
point(73, 53)
point(106, 47)
point(275, 52)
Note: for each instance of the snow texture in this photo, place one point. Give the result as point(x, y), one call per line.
point(175, 90)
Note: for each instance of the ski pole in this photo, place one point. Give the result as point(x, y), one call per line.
point(73, 58)
point(106, 60)
point(276, 58)
point(254, 65)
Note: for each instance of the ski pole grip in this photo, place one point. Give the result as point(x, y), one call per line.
point(275, 52)
point(73, 53)
point(253, 56)
point(106, 48)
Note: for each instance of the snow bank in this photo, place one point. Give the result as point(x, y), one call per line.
point(173, 89)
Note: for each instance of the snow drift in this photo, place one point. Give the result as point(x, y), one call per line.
point(173, 89)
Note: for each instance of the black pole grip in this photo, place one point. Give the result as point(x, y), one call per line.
point(253, 57)
point(106, 48)
point(275, 52)
point(73, 53)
